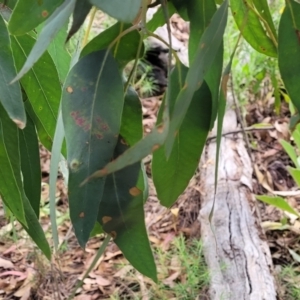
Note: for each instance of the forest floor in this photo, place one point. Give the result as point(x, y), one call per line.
point(174, 233)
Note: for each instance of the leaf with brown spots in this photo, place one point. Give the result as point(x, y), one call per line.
point(252, 29)
point(92, 120)
point(35, 15)
point(121, 214)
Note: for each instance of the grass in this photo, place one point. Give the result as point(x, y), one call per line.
point(289, 281)
point(249, 67)
point(182, 274)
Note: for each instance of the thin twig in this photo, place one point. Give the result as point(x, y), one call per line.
point(247, 129)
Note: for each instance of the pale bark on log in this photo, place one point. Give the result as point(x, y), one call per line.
point(238, 260)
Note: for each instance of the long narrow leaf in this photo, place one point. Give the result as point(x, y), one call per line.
point(55, 159)
point(11, 188)
point(30, 164)
point(10, 95)
point(200, 13)
point(41, 85)
point(121, 214)
point(204, 57)
point(35, 230)
point(59, 53)
point(51, 28)
point(172, 176)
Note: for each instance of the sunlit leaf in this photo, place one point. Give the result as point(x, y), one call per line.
point(289, 149)
point(251, 28)
point(295, 174)
point(278, 202)
point(35, 12)
point(92, 105)
point(41, 85)
point(52, 26)
point(263, 9)
point(58, 52)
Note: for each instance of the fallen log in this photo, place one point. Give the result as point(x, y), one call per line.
point(238, 258)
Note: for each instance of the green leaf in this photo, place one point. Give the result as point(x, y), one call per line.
point(92, 105)
point(200, 13)
point(124, 50)
point(278, 202)
point(263, 9)
point(55, 159)
point(35, 230)
point(121, 214)
point(289, 51)
point(81, 10)
point(296, 136)
point(132, 118)
point(172, 176)
point(10, 95)
point(158, 18)
point(289, 149)
point(30, 164)
point(56, 21)
point(41, 85)
point(59, 53)
point(124, 11)
point(96, 230)
point(207, 50)
point(11, 188)
point(251, 28)
point(295, 174)
point(35, 13)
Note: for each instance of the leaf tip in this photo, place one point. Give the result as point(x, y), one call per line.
point(19, 123)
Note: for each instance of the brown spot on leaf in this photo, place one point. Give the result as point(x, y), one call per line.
point(69, 89)
point(81, 215)
point(134, 191)
point(160, 128)
point(155, 147)
point(45, 14)
point(106, 219)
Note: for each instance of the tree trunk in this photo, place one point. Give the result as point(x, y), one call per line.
point(238, 259)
